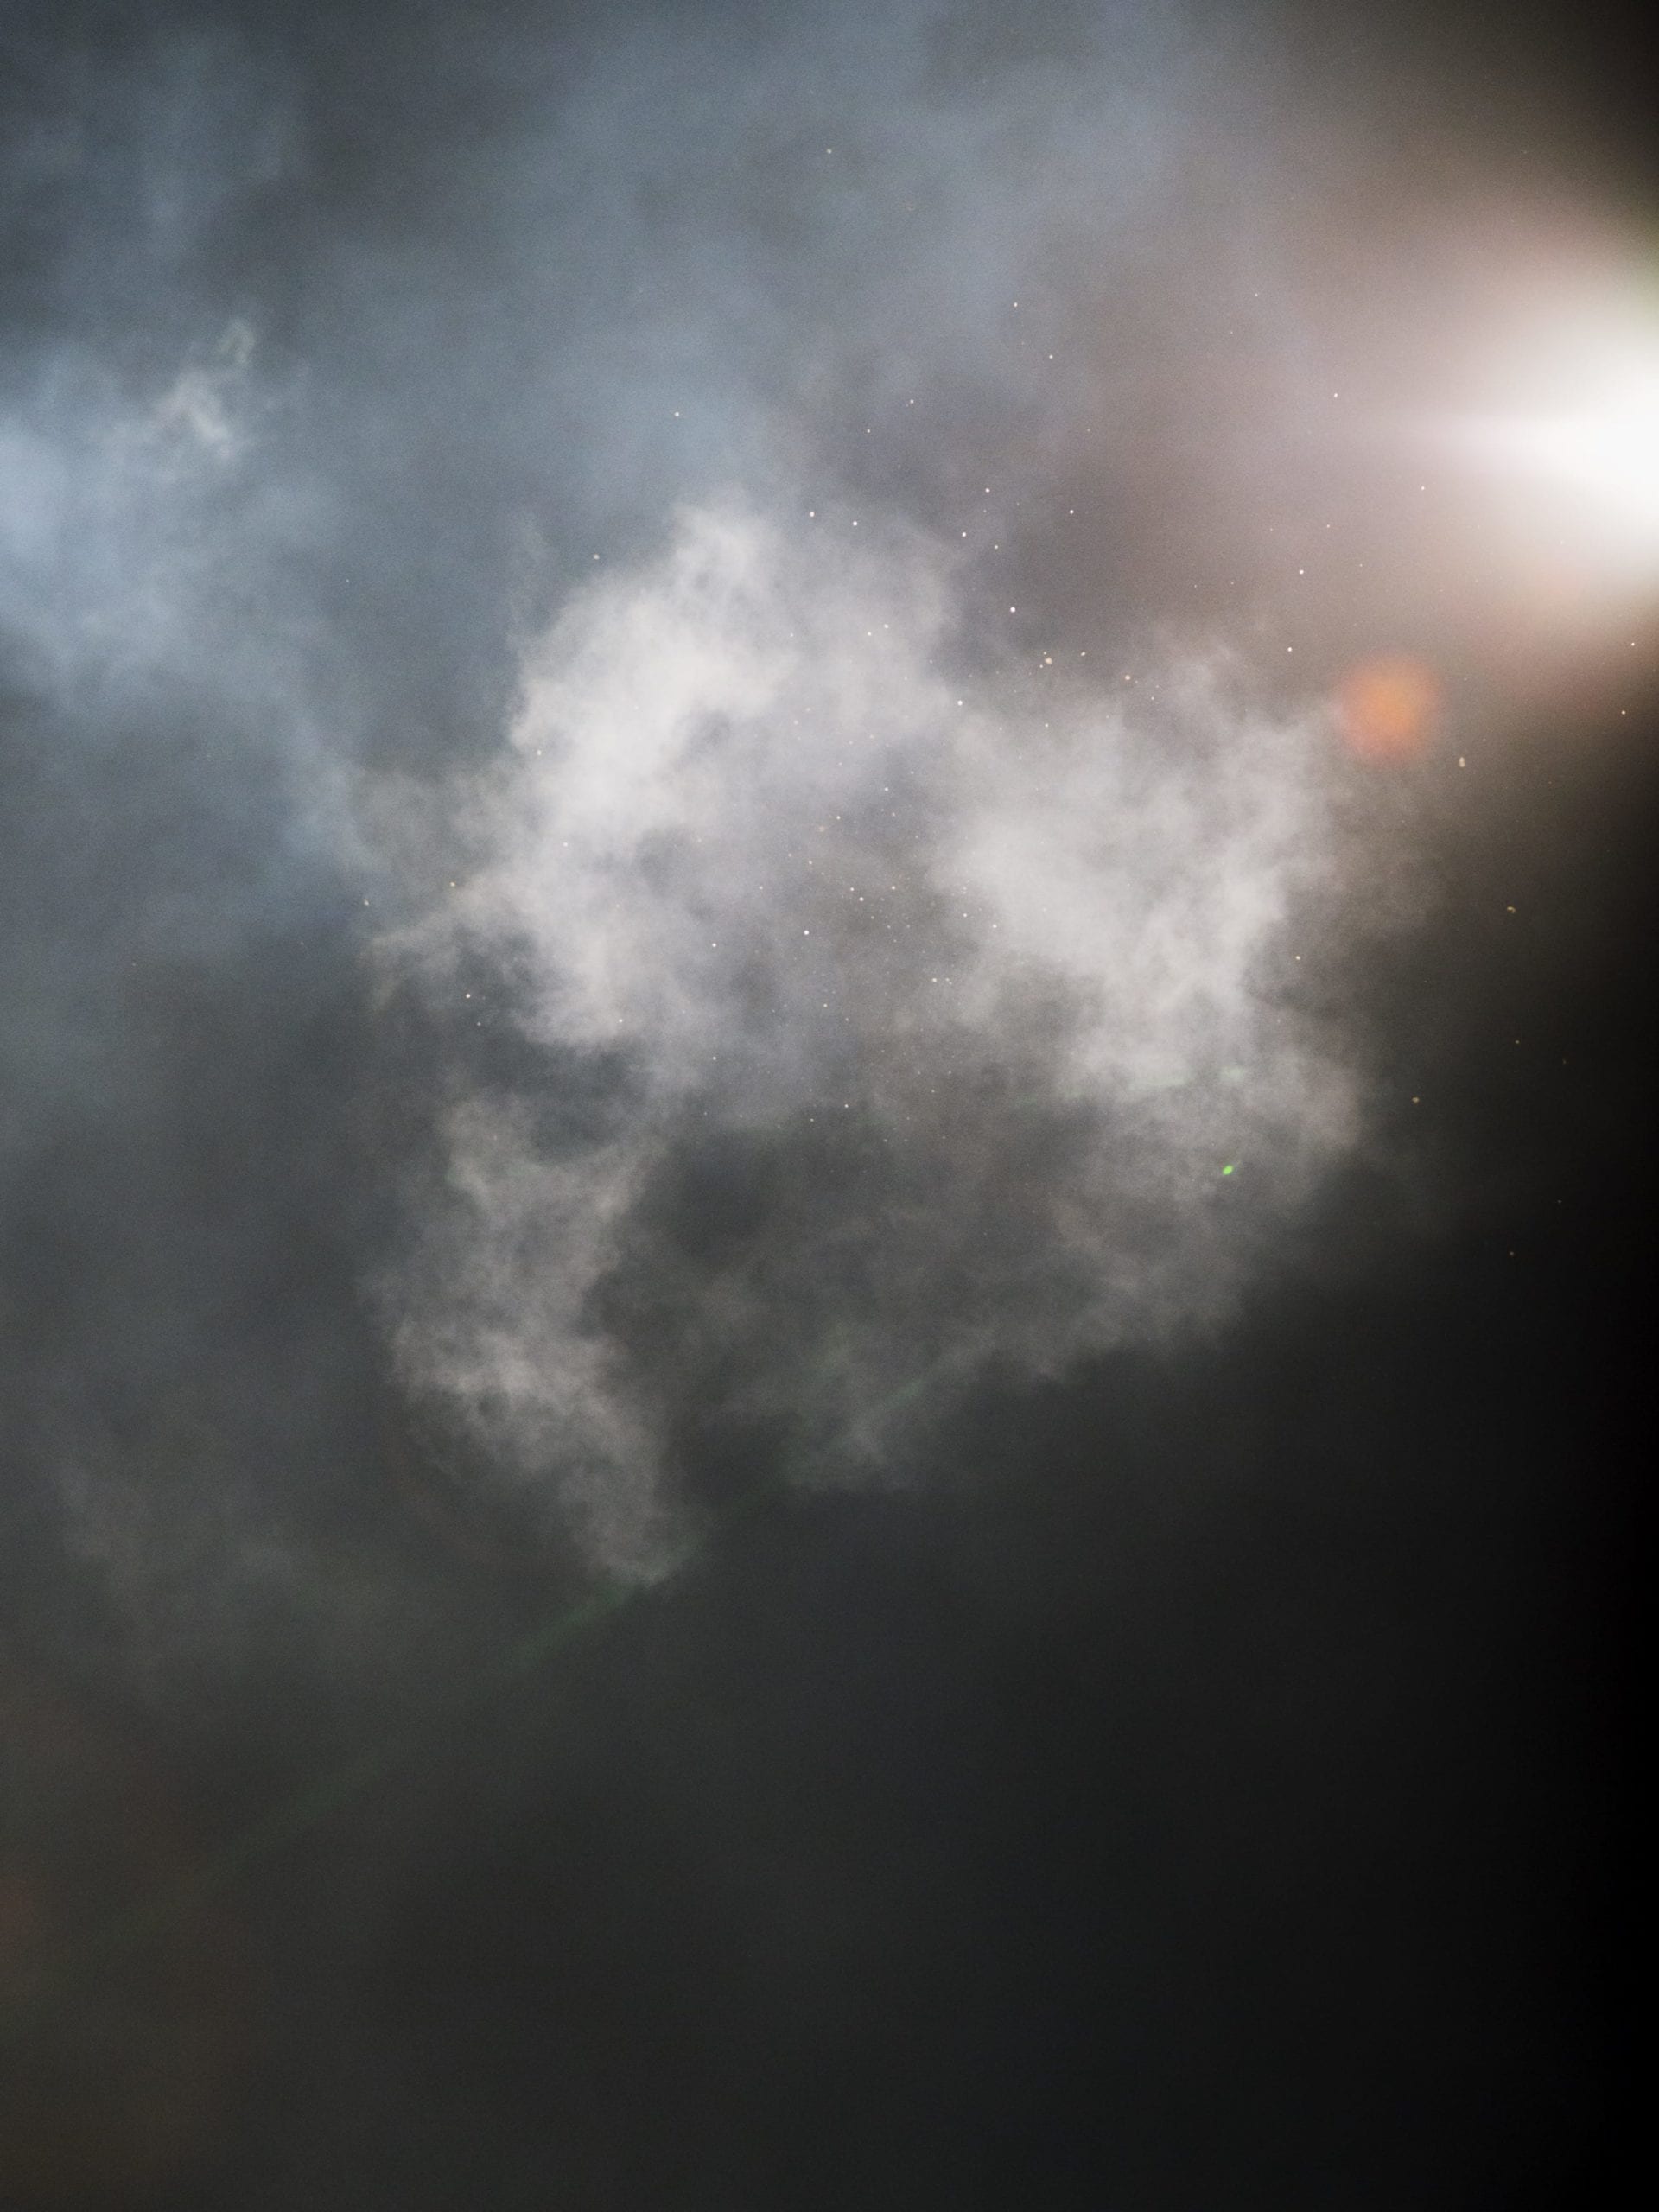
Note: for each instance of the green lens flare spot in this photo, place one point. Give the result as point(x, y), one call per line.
point(1227, 1169)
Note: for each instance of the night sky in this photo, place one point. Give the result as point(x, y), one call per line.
point(826, 901)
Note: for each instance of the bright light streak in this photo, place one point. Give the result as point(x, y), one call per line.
point(1576, 418)
point(1610, 451)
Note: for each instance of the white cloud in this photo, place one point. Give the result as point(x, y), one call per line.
point(933, 1009)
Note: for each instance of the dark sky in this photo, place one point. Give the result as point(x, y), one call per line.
point(826, 850)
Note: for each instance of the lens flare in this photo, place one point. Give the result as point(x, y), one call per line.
point(1387, 708)
point(1572, 423)
point(1610, 452)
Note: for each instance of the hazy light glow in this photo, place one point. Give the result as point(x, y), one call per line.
point(1611, 451)
point(1592, 432)
point(1387, 708)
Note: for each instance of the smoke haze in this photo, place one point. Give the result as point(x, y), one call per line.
point(900, 980)
point(915, 1027)
point(821, 1050)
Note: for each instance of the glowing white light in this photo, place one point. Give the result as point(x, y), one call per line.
point(1578, 420)
point(1611, 450)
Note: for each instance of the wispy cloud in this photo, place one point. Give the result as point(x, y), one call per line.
point(922, 1019)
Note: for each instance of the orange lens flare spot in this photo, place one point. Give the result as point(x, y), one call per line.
point(1388, 708)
